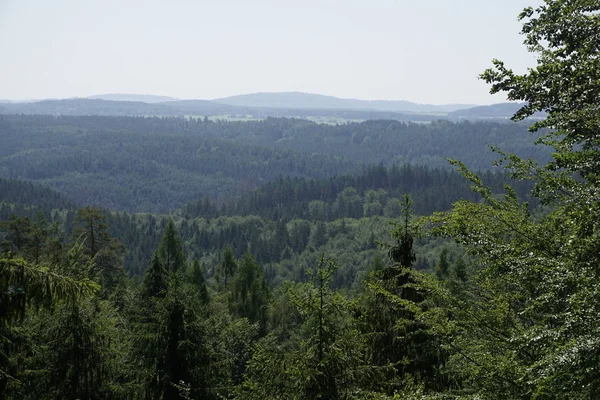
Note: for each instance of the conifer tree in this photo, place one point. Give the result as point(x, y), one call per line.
point(155, 280)
point(199, 282)
point(442, 268)
point(393, 303)
point(250, 293)
point(108, 253)
point(170, 250)
point(227, 267)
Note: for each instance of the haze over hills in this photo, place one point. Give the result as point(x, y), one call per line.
point(318, 101)
point(288, 100)
point(260, 106)
point(500, 110)
point(145, 98)
point(88, 107)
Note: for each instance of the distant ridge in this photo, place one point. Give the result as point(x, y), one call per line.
point(274, 101)
point(494, 111)
point(144, 98)
point(262, 105)
point(318, 101)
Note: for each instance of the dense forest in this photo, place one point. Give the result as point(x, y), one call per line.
point(139, 164)
point(177, 258)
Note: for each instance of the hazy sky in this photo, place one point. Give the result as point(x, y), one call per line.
point(427, 51)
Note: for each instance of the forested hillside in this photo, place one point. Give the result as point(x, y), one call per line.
point(158, 164)
point(287, 223)
point(17, 192)
point(377, 190)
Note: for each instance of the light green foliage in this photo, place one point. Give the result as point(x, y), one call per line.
point(524, 324)
point(565, 36)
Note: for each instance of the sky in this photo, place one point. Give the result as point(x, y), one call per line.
point(425, 51)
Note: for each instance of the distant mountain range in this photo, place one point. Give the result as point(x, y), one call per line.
point(318, 101)
point(261, 105)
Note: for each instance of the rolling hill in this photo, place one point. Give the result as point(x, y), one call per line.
point(317, 101)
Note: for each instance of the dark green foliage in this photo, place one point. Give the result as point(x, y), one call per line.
point(250, 293)
point(442, 268)
point(170, 250)
point(375, 191)
point(155, 280)
point(199, 282)
point(136, 165)
point(402, 251)
point(33, 275)
point(13, 191)
point(157, 164)
point(78, 359)
point(106, 252)
point(169, 338)
point(390, 316)
point(227, 267)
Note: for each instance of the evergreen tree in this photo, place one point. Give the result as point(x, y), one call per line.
point(23, 284)
point(169, 337)
point(442, 268)
point(155, 280)
point(91, 228)
point(390, 316)
point(78, 360)
point(199, 282)
point(227, 267)
point(170, 250)
point(250, 293)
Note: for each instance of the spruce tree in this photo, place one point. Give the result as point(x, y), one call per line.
point(250, 293)
point(170, 250)
point(199, 282)
point(226, 268)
